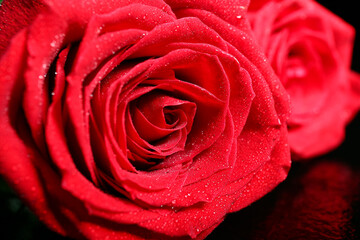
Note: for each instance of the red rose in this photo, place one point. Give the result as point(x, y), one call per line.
point(310, 50)
point(140, 119)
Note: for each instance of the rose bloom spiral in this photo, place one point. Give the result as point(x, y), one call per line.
point(139, 119)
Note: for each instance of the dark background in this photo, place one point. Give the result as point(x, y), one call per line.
point(319, 200)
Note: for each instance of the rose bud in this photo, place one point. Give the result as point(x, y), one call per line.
point(139, 119)
point(310, 50)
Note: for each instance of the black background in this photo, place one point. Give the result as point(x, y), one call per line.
point(282, 214)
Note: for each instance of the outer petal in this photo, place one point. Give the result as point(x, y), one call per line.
point(342, 106)
point(231, 11)
point(19, 162)
point(78, 13)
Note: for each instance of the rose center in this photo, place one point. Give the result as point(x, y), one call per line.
point(157, 126)
point(170, 117)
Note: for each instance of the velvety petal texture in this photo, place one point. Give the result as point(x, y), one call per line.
point(310, 49)
point(15, 15)
point(143, 119)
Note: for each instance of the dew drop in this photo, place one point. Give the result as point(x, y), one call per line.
point(53, 43)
